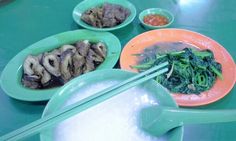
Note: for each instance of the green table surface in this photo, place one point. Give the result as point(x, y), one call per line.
point(23, 22)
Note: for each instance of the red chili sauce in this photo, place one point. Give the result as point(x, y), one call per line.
point(155, 20)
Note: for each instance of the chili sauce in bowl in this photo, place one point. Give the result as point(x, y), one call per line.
point(156, 18)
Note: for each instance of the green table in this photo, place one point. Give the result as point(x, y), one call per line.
point(23, 22)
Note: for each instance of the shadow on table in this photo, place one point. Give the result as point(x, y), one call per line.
point(28, 107)
point(15, 101)
point(5, 2)
point(75, 26)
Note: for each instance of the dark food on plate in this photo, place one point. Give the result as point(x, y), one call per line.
point(190, 71)
point(107, 15)
point(155, 20)
point(55, 68)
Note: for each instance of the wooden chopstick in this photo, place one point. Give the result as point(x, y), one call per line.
point(84, 104)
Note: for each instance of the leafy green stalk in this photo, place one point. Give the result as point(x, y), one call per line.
point(203, 54)
point(217, 72)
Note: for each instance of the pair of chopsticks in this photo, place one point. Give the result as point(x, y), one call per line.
point(84, 104)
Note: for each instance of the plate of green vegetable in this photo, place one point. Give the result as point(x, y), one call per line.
point(201, 71)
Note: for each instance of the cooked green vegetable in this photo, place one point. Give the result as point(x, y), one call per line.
point(190, 71)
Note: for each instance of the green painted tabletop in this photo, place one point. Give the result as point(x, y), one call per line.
point(23, 22)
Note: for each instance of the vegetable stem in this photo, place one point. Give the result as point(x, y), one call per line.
point(217, 72)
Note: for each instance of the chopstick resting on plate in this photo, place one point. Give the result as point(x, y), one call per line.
point(84, 104)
